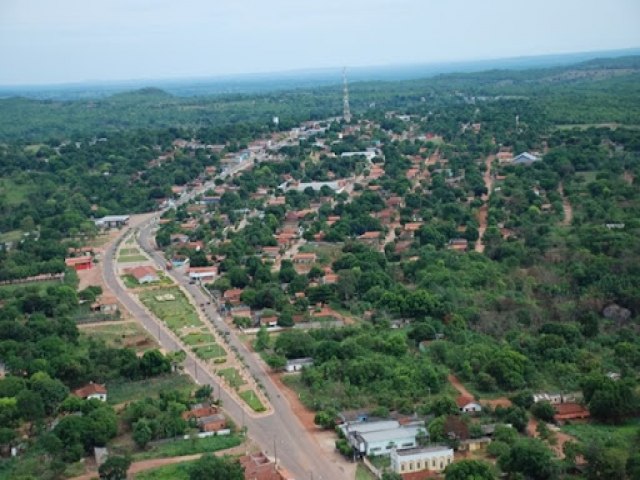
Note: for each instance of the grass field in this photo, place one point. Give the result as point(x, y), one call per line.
point(198, 338)
point(210, 351)
point(232, 377)
point(177, 314)
point(120, 392)
point(610, 435)
point(189, 447)
point(132, 258)
point(252, 400)
point(15, 193)
point(11, 236)
point(177, 471)
point(116, 336)
point(131, 282)
point(129, 251)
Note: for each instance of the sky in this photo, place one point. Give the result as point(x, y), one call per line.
point(68, 41)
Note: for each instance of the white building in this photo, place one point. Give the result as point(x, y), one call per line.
point(369, 155)
point(435, 458)
point(112, 221)
point(298, 364)
point(92, 391)
point(302, 186)
point(525, 158)
point(380, 438)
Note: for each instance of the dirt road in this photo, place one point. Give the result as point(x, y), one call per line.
point(483, 213)
point(566, 207)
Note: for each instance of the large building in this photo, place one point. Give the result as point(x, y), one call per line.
point(435, 458)
point(380, 438)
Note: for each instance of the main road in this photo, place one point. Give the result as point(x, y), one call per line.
point(279, 434)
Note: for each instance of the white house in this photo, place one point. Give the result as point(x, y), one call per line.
point(92, 391)
point(298, 364)
point(435, 458)
point(468, 405)
point(112, 221)
point(552, 398)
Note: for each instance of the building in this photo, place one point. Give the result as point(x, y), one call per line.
point(143, 274)
point(336, 186)
point(232, 296)
point(258, 467)
point(570, 411)
point(297, 364)
point(212, 423)
point(106, 304)
point(468, 404)
point(552, 398)
point(380, 438)
point(92, 391)
point(435, 458)
point(112, 221)
point(525, 158)
point(203, 274)
point(305, 258)
point(79, 263)
point(369, 154)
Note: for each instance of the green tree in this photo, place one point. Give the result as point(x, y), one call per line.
point(262, 340)
point(114, 468)
point(469, 470)
point(543, 411)
point(209, 467)
point(142, 433)
point(529, 457)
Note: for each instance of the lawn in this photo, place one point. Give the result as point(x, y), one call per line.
point(232, 377)
point(129, 251)
point(252, 400)
point(177, 471)
point(177, 313)
point(189, 447)
point(123, 391)
point(131, 282)
point(15, 193)
point(210, 351)
point(198, 338)
point(39, 286)
point(11, 236)
point(362, 473)
point(610, 435)
point(132, 258)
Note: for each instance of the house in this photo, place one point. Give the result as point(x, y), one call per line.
point(458, 244)
point(468, 404)
point(112, 221)
point(329, 279)
point(305, 258)
point(202, 274)
point(570, 411)
point(271, 252)
point(232, 295)
point(178, 238)
point(269, 321)
point(474, 444)
point(212, 423)
point(79, 263)
point(92, 391)
point(525, 158)
point(435, 458)
point(106, 304)
point(143, 274)
point(297, 364)
point(370, 237)
point(552, 398)
point(199, 410)
point(380, 438)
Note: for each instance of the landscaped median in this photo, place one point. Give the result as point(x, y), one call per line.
point(172, 307)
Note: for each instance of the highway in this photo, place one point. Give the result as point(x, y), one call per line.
point(279, 434)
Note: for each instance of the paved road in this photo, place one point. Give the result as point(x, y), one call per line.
point(280, 433)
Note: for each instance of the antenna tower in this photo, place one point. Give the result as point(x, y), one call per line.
point(346, 114)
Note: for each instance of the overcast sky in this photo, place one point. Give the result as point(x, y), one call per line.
point(60, 41)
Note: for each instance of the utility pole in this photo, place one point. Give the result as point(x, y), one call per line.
point(346, 113)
